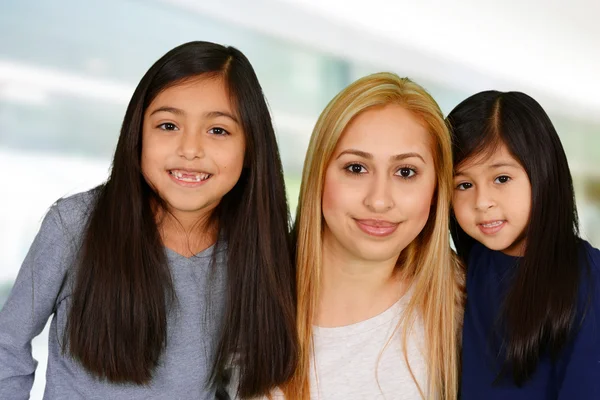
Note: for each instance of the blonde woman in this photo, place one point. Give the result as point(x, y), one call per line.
point(379, 290)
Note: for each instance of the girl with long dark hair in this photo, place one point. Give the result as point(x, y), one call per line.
point(532, 318)
point(157, 278)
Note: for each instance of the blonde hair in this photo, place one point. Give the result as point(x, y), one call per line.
point(428, 262)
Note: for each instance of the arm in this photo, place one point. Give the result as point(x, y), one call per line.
point(29, 305)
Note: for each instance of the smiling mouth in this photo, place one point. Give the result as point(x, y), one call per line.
point(189, 176)
point(377, 228)
point(492, 224)
point(491, 227)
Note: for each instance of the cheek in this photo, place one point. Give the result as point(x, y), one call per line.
point(340, 197)
point(525, 201)
point(230, 160)
point(462, 212)
point(156, 147)
point(418, 200)
point(149, 157)
point(331, 195)
point(424, 205)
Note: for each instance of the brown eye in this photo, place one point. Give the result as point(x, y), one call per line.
point(464, 186)
point(356, 169)
point(167, 126)
point(406, 172)
point(502, 179)
point(218, 131)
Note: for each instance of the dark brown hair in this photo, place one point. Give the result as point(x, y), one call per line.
point(117, 327)
point(540, 307)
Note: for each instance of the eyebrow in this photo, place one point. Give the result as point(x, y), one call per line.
point(172, 110)
point(369, 156)
point(215, 114)
point(501, 164)
point(504, 164)
point(210, 114)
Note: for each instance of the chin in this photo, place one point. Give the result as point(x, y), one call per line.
point(187, 206)
point(369, 254)
point(497, 245)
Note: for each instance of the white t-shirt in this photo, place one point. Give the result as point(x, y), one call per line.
point(364, 361)
point(359, 361)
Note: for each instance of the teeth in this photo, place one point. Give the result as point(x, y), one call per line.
point(493, 224)
point(189, 176)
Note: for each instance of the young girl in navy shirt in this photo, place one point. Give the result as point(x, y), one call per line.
point(532, 318)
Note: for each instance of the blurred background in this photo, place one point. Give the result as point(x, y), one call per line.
point(68, 69)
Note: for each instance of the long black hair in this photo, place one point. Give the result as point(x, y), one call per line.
point(541, 303)
point(117, 326)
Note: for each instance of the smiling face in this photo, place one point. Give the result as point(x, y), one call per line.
point(192, 146)
point(378, 185)
point(492, 201)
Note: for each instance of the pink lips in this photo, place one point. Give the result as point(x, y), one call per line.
point(491, 227)
point(376, 227)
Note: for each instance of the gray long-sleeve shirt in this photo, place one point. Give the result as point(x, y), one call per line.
point(43, 289)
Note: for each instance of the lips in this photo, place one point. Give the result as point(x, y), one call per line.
point(189, 178)
point(375, 227)
point(491, 227)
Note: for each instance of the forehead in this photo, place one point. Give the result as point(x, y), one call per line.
point(488, 159)
point(199, 93)
point(386, 131)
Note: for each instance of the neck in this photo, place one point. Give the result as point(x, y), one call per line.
point(187, 233)
point(352, 289)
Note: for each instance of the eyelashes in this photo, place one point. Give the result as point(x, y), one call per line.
point(464, 186)
point(500, 180)
point(218, 131)
point(355, 169)
point(170, 126)
point(404, 172)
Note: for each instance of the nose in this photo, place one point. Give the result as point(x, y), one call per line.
point(379, 197)
point(190, 145)
point(484, 199)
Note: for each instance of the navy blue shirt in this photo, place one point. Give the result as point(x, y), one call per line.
point(576, 373)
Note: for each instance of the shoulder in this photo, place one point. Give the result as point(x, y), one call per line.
point(65, 222)
point(70, 214)
point(57, 242)
point(590, 280)
point(590, 267)
point(593, 257)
